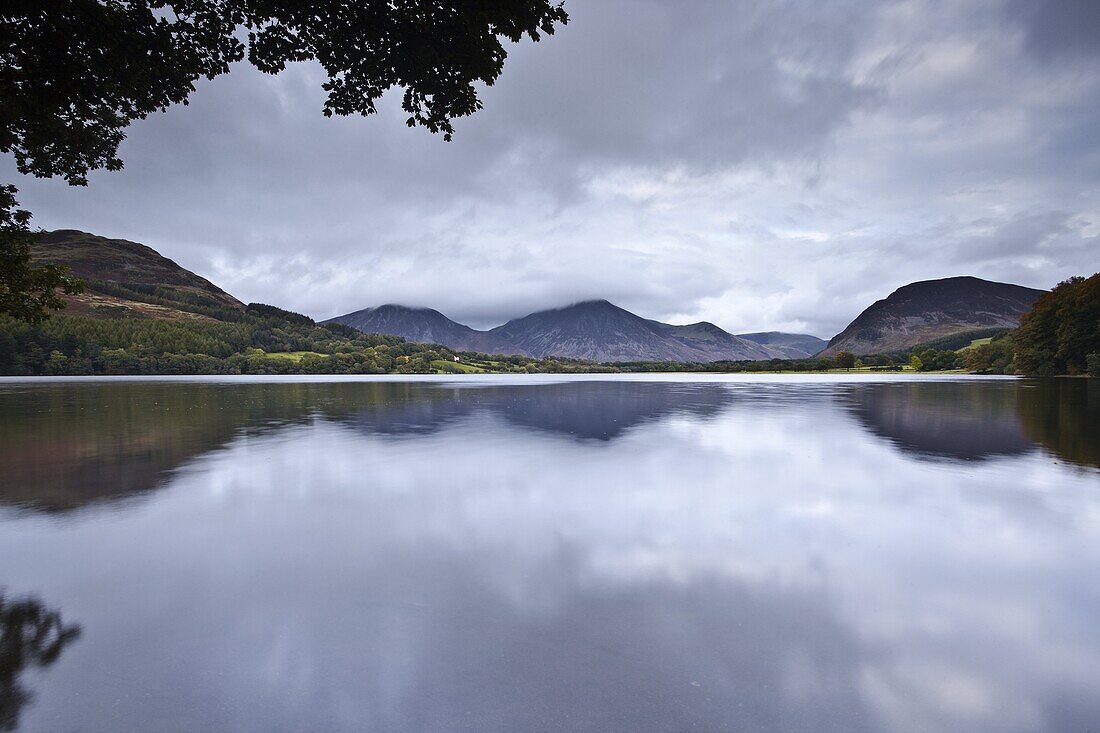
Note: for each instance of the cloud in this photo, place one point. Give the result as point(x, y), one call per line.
point(760, 166)
point(1059, 28)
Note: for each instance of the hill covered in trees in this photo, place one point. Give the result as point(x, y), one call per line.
point(1061, 334)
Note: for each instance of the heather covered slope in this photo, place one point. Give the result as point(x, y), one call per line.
point(931, 309)
point(127, 279)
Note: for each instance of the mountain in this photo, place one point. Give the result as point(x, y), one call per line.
point(595, 330)
point(127, 279)
point(601, 331)
point(423, 325)
point(790, 345)
point(931, 309)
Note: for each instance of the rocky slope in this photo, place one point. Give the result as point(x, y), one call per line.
point(790, 345)
point(931, 309)
point(601, 331)
point(596, 330)
point(423, 325)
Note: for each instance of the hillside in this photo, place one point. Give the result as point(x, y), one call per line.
point(931, 309)
point(130, 280)
point(790, 345)
point(594, 330)
point(127, 279)
point(423, 325)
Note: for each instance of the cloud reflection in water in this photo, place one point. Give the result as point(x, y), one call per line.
point(742, 556)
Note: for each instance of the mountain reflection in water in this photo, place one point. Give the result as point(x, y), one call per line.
point(943, 420)
point(70, 444)
point(626, 555)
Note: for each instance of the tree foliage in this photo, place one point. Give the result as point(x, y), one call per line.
point(934, 360)
point(1061, 330)
point(75, 73)
point(27, 292)
point(266, 340)
point(996, 357)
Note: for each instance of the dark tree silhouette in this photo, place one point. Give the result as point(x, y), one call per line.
point(75, 73)
point(30, 636)
point(27, 292)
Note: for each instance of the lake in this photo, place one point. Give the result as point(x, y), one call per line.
point(659, 553)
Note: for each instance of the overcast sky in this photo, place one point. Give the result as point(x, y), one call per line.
point(761, 165)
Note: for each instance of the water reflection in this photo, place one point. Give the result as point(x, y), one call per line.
point(1063, 415)
point(971, 421)
point(600, 411)
point(592, 556)
point(30, 636)
point(947, 420)
point(70, 444)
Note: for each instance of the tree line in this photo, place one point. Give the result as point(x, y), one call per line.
point(1060, 335)
point(262, 340)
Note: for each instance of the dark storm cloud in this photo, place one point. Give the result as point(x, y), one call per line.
point(705, 84)
point(759, 165)
point(1056, 28)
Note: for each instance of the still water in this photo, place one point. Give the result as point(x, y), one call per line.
point(536, 554)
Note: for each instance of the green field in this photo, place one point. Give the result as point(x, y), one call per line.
point(452, 366)
point(294, 356)
point(976, 343)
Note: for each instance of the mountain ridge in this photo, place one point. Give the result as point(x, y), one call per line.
point(596, 330)
point(602, 331)
point(127, 279)
point(793, 345)
point(422, 325)
point(926, 310)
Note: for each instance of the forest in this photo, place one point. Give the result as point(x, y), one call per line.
point(264, 340)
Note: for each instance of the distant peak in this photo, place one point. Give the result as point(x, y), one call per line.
point(591, 304)
point(959, 284)
point(943, 280)
point(398, 308)
point(391, 310)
